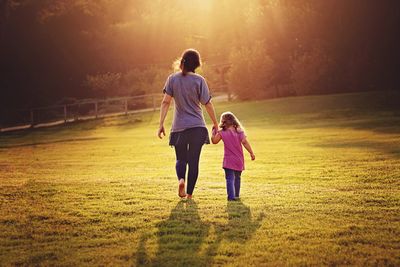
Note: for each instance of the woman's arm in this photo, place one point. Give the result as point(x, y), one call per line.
point(211, 112)
point(163, 113)
point(247, 145)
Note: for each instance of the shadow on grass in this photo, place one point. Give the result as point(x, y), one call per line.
point(179, 238)
point(241, 225)
point(77, 131)
point(239, 229)
point(391, 149)
point(386, 124)
point(377, 112)
point(68, 140)
point(184, 239)
point(71, 132)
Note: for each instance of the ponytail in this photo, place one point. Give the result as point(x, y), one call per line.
point(183, 67)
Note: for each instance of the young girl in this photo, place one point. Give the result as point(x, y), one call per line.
point(233, 136)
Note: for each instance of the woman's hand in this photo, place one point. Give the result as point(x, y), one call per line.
point(215, 126)
point(163, 113)
point(253, 157)
point(161, 131)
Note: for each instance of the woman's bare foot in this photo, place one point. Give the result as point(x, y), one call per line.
point(181, 188)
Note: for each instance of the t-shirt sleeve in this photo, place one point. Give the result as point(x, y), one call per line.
point(168, 88)
point(222, 133)
point(241, 136)
point(204, 94)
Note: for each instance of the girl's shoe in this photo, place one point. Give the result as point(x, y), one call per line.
point(181, 190)
point(189, 196)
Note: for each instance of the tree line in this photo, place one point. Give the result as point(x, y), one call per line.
point(51, 51)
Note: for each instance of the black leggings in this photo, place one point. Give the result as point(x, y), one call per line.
point(187, 152)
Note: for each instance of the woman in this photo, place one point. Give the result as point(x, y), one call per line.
point(189, 132)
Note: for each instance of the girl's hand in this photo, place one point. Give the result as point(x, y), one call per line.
point(161, 131)
point(253, 157)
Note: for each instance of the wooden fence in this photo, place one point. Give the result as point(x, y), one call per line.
point(80, 110)
point(86, 109)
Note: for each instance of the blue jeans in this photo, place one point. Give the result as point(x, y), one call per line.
point(232, 183)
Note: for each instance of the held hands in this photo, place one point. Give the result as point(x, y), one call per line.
point(215, 137)
point(161, 131)
point(215, 129)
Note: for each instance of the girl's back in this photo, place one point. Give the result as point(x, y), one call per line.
point(233, 136)
point(233, 151)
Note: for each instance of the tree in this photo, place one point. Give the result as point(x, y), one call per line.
point(251, 71)
point(313, 72)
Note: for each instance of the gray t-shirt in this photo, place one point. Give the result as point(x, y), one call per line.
point(189, 92)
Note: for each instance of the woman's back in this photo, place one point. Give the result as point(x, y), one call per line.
point(189, 92)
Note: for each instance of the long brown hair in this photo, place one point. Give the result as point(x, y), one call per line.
point(190, 61)
point(228, 119)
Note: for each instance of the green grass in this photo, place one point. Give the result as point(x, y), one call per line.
point(324, 190)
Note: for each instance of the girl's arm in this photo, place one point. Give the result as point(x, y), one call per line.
point(211, 112)
point(163, 113)
point(216, 136)
point(247, 145)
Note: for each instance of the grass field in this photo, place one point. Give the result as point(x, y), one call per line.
point(324, 190)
